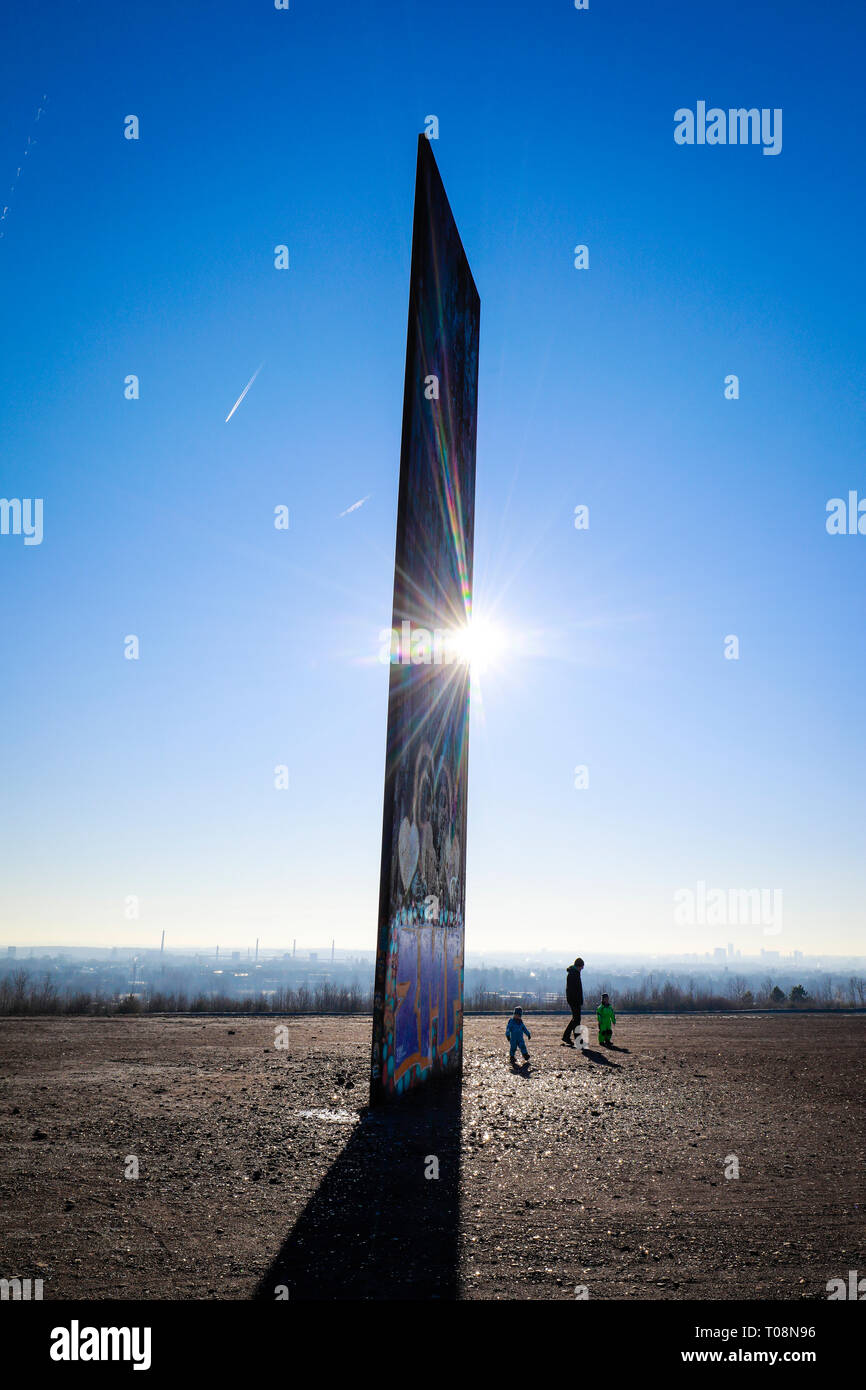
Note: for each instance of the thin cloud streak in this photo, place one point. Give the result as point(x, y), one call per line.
point(244, 392)
point(355, 505)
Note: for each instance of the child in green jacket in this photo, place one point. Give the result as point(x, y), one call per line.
point(606, 1019)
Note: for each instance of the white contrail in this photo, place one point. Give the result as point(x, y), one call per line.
point(244, 392)
point(355, 505)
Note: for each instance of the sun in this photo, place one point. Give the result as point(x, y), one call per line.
point(480, 644)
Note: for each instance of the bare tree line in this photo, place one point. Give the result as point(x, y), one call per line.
point(22, 995)
point(671, 997)
point(19, 994)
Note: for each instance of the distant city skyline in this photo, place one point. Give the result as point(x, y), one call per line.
point(289, 981)
point(324, 953)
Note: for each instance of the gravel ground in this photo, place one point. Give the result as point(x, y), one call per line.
point(260, 1175)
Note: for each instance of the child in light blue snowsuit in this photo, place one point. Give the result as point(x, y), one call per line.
point(514, 1031)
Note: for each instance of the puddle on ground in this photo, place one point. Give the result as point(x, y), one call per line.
point(333, 1117)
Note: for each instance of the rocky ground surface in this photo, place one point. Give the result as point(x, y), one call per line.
point(261, 1175)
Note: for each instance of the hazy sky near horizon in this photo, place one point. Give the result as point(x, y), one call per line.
point(154, 778)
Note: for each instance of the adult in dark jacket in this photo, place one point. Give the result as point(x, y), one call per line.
point(574, 999)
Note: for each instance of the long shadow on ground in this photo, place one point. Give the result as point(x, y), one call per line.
point(599, 1058)
point(377, 1227)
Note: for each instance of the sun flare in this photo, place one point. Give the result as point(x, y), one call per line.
point(481, 644)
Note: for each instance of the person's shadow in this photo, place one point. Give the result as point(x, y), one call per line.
point(383, 1222)
point(600, 1058)
point(522, 1070)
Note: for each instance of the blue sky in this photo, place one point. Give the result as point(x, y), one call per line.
point(155, 778)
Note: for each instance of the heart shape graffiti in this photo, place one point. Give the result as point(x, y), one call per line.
point(428, 849)
point(408, 849)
